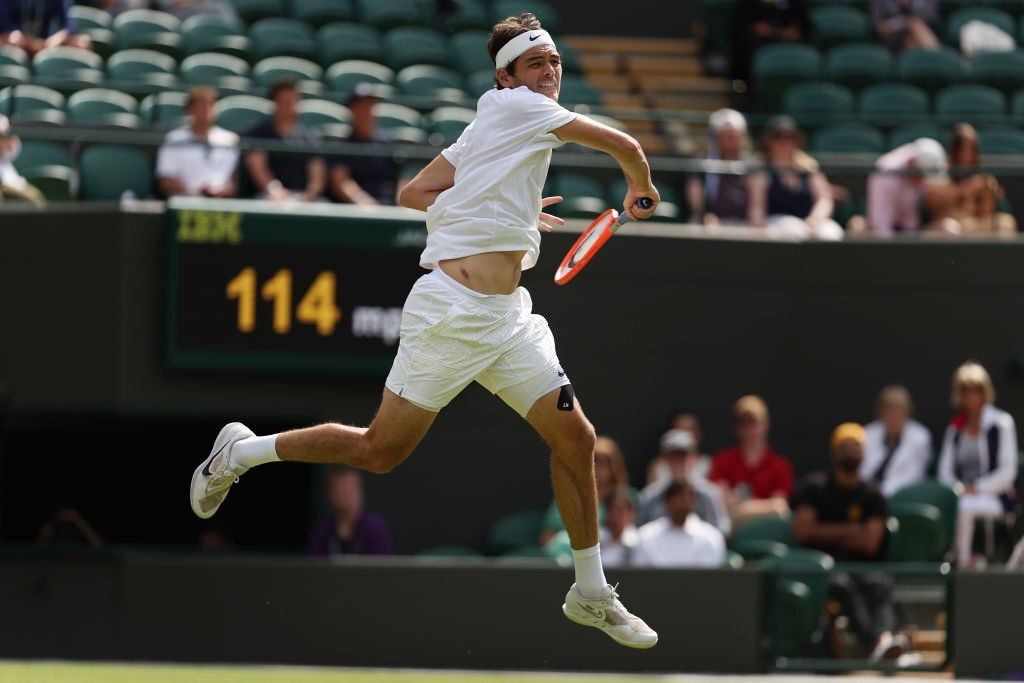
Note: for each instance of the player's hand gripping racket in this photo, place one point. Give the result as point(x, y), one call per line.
point(592, 239)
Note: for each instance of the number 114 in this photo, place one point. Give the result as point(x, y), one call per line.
point(317, 307)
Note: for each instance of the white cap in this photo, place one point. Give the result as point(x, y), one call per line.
point(727, 118)
point(678, 440)
point(930, 157)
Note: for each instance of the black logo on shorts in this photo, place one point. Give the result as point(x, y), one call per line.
point(565, 397)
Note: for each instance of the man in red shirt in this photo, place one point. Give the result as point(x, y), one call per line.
point(755, 480)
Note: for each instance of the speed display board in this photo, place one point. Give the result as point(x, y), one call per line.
point(254, 286)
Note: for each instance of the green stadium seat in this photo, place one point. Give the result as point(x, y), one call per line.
point(68, 68)
point(514, 531)
point(13, 56)
point(217, 70)
point(54, 181)
point(415, 45)
point(757, 549)
point(449, 551)
point(775, 67)
point(96, 24)
point(549, 18)
point(765, 528)
point(304, 72)
point(969, 102)
point(109, 171)
point(35, 153)
point(571, 63)
point(426, 80)
point(480, 82)
point(807, 566)
point(1001, 140)
point(905, 134)
point(989, 15)
point(1017, 106)
point(576, 90)
point(920, 537)
point(888, 104)
point(931, 68)
point(795, 616)
point(281, 36)
point(103, 107)
point(345, 76)
point(212, 33)
point(242, 113)
point(32, 104)
point(584, 197)
point(469, 52)
point(858, 64)
point(164, 110)
point(252, 11)
point(447, 123)
point(340, 42)
point(468, 14)
point(12, 74)
point(406, 135)
point(143, 66)
point(734, 560)
point(835, 24)
point(388, 14)
point(320, 12)
point(148, 29)
point(998, 69)
point(322, 115)
point(849, 138)
point(932, 493)
point(390, 115)
point(818, 103)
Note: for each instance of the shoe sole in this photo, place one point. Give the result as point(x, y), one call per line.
point(604, 628)
point(228, 432)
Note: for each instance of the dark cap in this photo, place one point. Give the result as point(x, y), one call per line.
point(780, 124)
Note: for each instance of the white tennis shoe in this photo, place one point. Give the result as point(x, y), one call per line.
point(608, 614)
point(214, 477)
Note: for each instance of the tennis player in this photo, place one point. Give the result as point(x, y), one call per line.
point(469, 319)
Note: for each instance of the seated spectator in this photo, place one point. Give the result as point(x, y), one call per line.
point(898, 448)
point(845, 517)
point(754, 479)
point(364, 180)
point(791, 197)
point(909, 181)
point(679, 452)
point(979, 455)
point(12, 184)
point(906, 24)
point(975, 202)
point(619, 535)
point(611, 475)
point(349, 529)
point(200, 158)
point(759, 22)
point(687, 421)
point(721, 198)
point(680, 538)
point(286, 176)
point(36, 25)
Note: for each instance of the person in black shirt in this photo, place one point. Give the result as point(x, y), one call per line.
point(364, 180)
point(759, 22)
point(283, 176)
point(845, 517)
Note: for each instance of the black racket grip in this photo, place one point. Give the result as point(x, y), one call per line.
point(645, 203)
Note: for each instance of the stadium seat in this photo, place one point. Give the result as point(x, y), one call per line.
point(576, 90)
point(835, 24)
point(405, 134)
point(904, 134)
point(387, 14)
point(920, 537)
point(211, 33)
point(888, 104)
point(242, 113)
point(998, 69)
point(427, 81)
point(304, 72)
point(339, 42)
point(102, 107)
point(149, 29)
point(468, 14)
point(11, 55)
point(447, 123)
point(35, 153)
point(849, 138)
point(13, 66)
point(32, 104)
point(1001, 140)
point(53, 180)
point(975, 103)
point(932, 493)
point(584, 196)
point(320, 12)
point(109, 171)
point(570, 59)
point(96, 24)
point(549, 18)
point(795, 616)
point(415, 45)
point(322, 115)
point(514, 531)
point(469, 52)
point(756, 549)
point(990, 15)
point(480, 82)
point(807, 566)
point(345, 76)
point(282, 37)
point(858, 64)
point(67, 68)
point(391, 115)
point(217, 70)
point(252, 11)
point(818, 103)
point(931, 68)
point(164, 110)
point(778, 66)
point(765, 528)
point(143, 66)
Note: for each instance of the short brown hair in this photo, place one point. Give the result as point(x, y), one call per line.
point(201, 92)
point(505, 31)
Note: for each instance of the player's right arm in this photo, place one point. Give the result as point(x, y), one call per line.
point(625, 150)
point(420, 192)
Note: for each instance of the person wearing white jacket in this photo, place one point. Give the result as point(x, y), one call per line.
point(979, 455)
point(898, 448)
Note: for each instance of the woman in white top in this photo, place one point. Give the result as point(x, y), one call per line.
point(979, 455)
point(898, 448)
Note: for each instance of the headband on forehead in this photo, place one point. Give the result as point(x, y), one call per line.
point(520, 44)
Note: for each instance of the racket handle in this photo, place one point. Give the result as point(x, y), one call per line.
point(644, 203)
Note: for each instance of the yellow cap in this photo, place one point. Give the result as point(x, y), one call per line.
point(848, 431)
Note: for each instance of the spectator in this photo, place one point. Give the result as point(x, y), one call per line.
point(791, 197)
point(39, 24)
point(845, 517)
point(610, 472)
point(687, 421)
point(364, 180)
point(679, 452)
point(907, 181)
point(722, 198)
point(979, 455)
point(759, 22)
point(680, 539)
point(286, 176)
point(754, 479)
point(906, 23)
point(977, 195)
point(12, 184)
point(349, 529)
point(619, 535)
point(200, 158)
point(898, 449)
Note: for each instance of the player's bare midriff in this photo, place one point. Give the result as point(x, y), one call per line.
point(494, 272)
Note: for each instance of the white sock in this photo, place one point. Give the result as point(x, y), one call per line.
point(590, 581)
point(256, 450)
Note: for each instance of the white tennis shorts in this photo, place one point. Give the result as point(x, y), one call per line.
point(452, 335)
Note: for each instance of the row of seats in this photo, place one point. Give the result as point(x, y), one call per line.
point(834, 24)
point(862, 138)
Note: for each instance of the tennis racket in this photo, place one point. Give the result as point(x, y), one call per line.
point(592, 239)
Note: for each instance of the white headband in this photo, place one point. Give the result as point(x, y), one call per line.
point(520, 44)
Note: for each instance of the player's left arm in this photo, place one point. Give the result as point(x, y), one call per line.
point(625, 150)
point(420, 192)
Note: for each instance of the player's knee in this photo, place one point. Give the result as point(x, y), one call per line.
point(382, 458)
point(576, 444)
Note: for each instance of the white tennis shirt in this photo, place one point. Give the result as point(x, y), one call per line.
point(501, 161)
point(198, 163)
